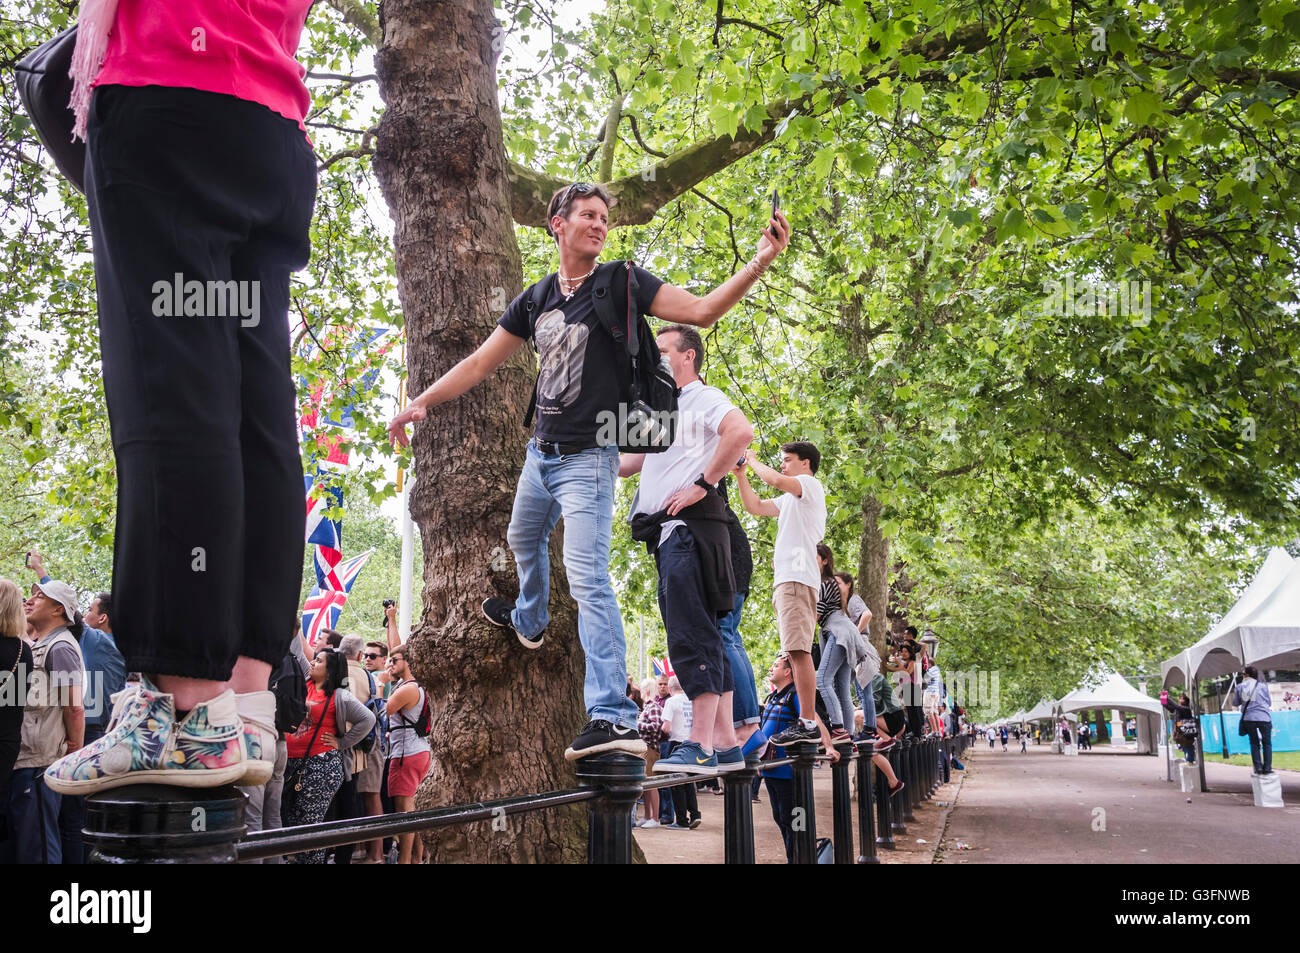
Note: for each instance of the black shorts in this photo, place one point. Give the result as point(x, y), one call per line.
point(894, 721)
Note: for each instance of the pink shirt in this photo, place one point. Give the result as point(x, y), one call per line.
point(243, 49)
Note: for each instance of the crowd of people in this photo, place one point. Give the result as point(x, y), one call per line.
point(340, 732)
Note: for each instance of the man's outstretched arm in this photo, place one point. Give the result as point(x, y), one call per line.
point(681, 307)
point(490, 355)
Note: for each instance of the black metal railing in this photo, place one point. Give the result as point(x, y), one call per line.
point(153, 823)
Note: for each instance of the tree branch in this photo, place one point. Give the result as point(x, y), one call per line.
point(611, 139)
point(357, 14)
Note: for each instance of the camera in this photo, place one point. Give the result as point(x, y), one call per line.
point(383, 623)
point(644, 428)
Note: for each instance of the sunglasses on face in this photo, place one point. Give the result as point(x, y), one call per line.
point(372, 655)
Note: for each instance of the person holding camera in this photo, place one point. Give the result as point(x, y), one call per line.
point(569, 470)
point(1183, 720)
point(1251, 696)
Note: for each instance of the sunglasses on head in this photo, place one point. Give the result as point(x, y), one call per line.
point(581, 188)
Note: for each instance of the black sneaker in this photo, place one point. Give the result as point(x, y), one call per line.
point(796, 734)
point(497, 611)
point(600, 737)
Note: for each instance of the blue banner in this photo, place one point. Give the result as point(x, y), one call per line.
point(1286, 732)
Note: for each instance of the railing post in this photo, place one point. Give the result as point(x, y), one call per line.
point(866, 823)
point(947, 759)
point(738, 825)
point(884, 812)
point(932, 769)
point(160, 824)
point(911, 777)
point(897, 762)
point(841, 804)
point(609, 817)
point(804, 819)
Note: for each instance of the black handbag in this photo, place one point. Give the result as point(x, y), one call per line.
point(45, 89)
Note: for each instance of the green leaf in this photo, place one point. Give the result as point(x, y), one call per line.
point(913, 97)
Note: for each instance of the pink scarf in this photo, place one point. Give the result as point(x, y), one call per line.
point(94, 24)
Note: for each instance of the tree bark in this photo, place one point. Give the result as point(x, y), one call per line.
point(873, 572)
point(502, 715)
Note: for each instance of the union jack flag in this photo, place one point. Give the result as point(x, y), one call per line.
point(322, 609)
point(662, 666)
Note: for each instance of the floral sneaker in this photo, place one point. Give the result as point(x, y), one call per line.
point(148, 746)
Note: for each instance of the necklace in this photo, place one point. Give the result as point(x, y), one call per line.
point(573, 283)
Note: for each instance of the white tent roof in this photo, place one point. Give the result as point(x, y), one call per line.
point(1043, 709)
point(1114, 692)
point(1221, 651)
point(1270, 636)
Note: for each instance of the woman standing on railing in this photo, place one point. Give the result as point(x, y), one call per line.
point(315, 771)
point(833, 672)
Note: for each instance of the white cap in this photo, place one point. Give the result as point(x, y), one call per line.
point(61, 593)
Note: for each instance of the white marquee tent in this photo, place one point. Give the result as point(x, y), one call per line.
point(1115, 692)
point(1270, 635)
point(1044, 709)
point(1259, 616)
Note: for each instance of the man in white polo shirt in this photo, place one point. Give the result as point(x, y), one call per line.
point(682, 519)
point(800, 513)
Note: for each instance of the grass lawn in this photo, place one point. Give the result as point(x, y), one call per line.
point(1282, 760)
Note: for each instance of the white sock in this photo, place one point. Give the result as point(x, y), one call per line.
point(257, 707)
point(808, 722)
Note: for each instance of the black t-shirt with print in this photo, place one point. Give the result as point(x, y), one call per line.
point(578, 358)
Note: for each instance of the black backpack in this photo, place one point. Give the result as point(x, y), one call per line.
point(290, 690)
point(647, 412)
point(422, 721)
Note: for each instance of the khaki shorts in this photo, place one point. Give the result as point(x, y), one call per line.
point(796, 615)
point(931, 701)
point(369, 777)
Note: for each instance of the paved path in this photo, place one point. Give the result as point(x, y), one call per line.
point(1042, 808)
point(704, 844)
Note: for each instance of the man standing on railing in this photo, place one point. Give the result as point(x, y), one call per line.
point(680, 516)
point(570, 466)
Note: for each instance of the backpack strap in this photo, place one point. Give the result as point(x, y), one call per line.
point(616, 281)
point(537, 294)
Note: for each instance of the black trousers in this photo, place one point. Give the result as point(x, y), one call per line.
point(781, 792)
point(200, 203)
point(694, 638)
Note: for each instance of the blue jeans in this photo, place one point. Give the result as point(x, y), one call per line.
point(1261, 745)
point(579, 487)
point(33, 819)
point(833, 677)
point(868, 702)
point(744, 703)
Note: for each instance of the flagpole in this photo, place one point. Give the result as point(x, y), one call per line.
point(408, 531)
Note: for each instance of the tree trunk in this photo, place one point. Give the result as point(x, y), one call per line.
point(502, 715)
point(873, 572)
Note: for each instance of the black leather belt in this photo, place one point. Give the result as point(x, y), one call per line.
point(563, 449)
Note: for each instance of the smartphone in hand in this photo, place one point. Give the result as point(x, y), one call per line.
point(776, 202)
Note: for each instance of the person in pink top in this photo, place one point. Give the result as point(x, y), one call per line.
point(200, 183)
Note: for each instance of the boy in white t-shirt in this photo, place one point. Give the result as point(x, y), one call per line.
point(801, 525)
